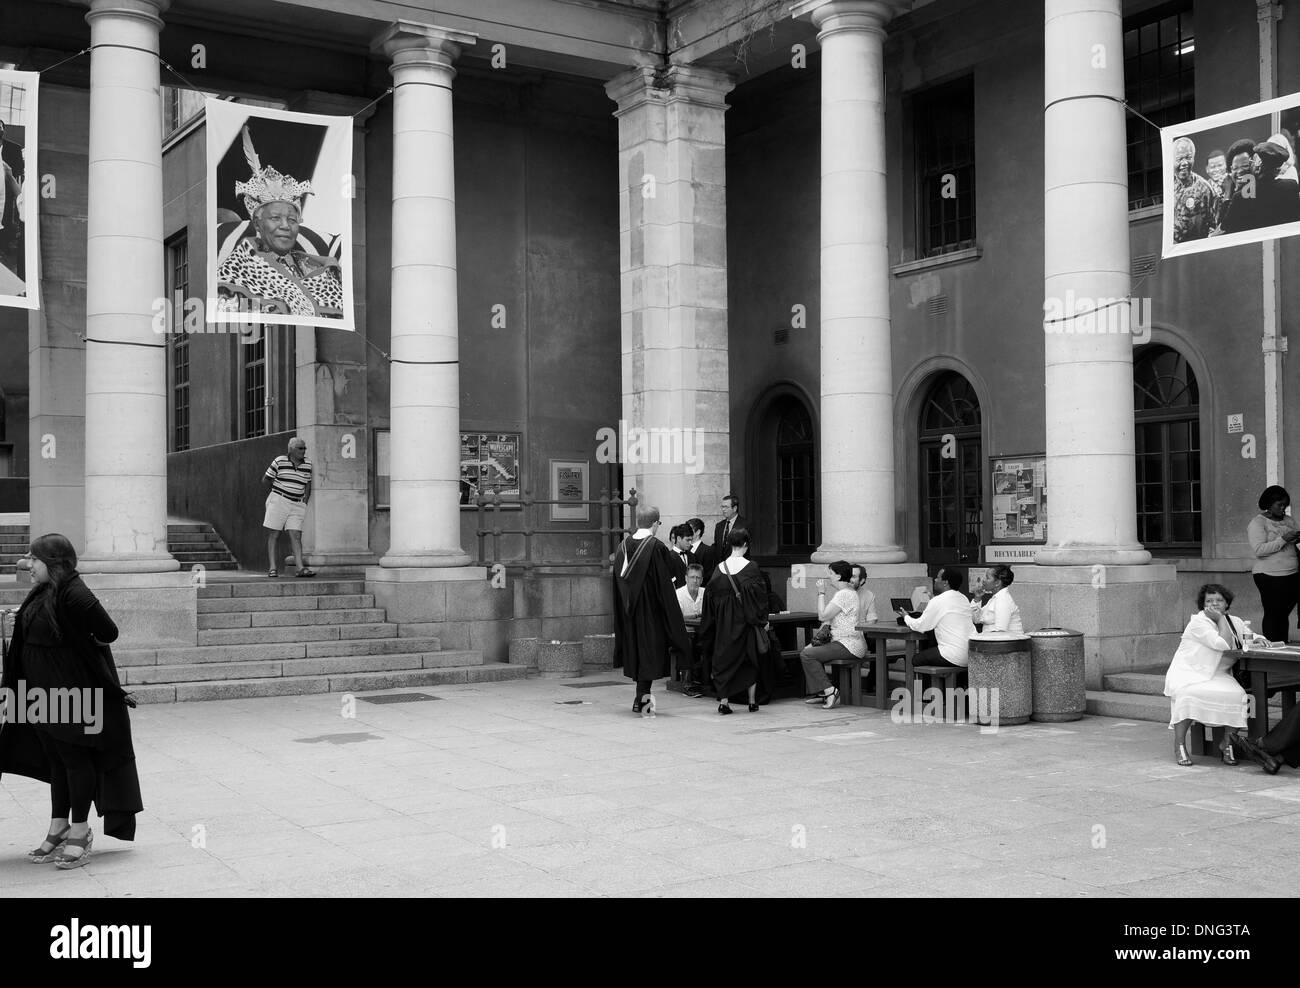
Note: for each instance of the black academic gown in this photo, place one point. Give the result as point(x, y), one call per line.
point(117, 784)
point(727, 628)
point(648, 622)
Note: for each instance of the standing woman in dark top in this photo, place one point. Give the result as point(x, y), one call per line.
point(82, 749)
point(735, 614)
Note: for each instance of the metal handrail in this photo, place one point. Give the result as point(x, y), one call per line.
point(611, 528)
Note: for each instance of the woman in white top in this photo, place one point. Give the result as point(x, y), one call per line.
point(846, 640)
point(1000, 613)
point(1199, 680)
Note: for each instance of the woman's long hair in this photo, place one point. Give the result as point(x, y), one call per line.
point(60, 558)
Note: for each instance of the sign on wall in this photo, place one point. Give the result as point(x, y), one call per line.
point(279, 211)
point(570, 482)
point(1019, 498)
point(19, 190)
point(489, 464)
point(1231, 178)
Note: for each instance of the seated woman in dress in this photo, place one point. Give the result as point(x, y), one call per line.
point(1199, 678)
point(846, 640)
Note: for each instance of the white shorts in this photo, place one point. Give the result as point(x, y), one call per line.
point(283, 514)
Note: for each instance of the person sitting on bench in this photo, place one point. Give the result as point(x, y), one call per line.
point(846, 640)
point(947, 614)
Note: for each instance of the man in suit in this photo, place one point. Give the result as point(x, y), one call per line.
point(731, 520)
point(679, 540)
point(700, 551)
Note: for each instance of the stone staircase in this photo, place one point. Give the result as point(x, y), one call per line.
point(1140, 695)
point(291, 637)
point(189, 543)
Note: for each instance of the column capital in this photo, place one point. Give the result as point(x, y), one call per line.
point(834, 16)
point(404, 42)
point(147, 10)
point(677, 84)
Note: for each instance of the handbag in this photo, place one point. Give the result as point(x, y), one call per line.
point(760, 634)
point(822, 636)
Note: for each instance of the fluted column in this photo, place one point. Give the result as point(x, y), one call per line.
point(425, 375)
point(1089, 373)
point(126, 380)
point(857, 388)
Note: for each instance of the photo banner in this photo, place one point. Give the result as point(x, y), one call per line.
point(1231, 178)
point(19, 190)
point(279, 213)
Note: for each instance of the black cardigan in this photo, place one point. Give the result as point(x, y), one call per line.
point(117, 788)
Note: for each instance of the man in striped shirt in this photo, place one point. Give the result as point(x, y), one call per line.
point(289, 478)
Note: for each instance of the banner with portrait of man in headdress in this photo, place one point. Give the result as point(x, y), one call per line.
point(280, 217)
point(1231, 178)
point(19, 190)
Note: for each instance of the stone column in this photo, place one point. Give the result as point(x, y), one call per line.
point(857, 388)
point(1093, 575)
point(126, 379)
point(675, 431)
point(425, 378)
point(1089, 374)
point(331, 390)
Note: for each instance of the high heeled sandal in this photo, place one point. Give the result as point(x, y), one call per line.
point(1183, 758)
point(40, 856)
point(65, 861)
point(1228, 755)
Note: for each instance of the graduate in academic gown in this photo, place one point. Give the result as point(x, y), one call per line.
point(648, 622)
point(735, 614)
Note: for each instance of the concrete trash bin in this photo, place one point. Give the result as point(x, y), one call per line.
point(559, 660)
point(999, 678)
point(1056, 663)
point(523, 652)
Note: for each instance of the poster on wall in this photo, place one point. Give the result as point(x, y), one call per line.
point(1019, 498)
point(279, 210)
point(489, 464)
point(1231, 178)
point(571, 484)
point(19, 190)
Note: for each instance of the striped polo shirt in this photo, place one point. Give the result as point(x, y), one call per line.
point(289, 480)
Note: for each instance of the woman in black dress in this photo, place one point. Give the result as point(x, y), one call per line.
point(735, 614)
point(81, 746)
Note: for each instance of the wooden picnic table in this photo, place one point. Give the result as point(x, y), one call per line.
point(878, 635)
point(1260, 663)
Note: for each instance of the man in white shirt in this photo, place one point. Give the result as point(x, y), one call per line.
point(1000, 613)
point(691, 599)
point(948, 616)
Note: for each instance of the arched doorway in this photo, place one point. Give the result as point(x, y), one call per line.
point(1167, 441)
point(951, 482)
point(783, 476)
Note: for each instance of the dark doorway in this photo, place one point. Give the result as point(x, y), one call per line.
point(952, 474)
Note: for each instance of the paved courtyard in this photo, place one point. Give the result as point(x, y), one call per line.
point(542, 788)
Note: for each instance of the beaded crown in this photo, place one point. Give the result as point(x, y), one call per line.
point(267, 184)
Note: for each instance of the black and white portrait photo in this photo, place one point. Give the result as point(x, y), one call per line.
point(279, 206)
point(18, 187)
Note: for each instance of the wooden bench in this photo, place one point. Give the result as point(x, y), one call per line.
point(950, 677)
point(848, 677)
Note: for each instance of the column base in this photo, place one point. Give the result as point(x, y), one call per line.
point(433, 595)
point(151, 610)
point(1082, 555)
point(128, 563)
point(340, 562)
point(434, 560)
point(865, 554)
point(1131, 616)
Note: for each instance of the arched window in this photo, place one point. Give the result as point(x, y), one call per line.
point(952, 490)
point(796, 498)
point(1167, 440)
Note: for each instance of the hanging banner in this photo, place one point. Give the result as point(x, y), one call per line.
point(19, 190)
point(1231, 178)
point(280, 215)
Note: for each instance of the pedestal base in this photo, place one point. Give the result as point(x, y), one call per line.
point(1130, 616)
point(151, 610)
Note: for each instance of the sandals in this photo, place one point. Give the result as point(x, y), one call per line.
point(272, 574)
point(832, 698)
point(65, 861)
point(1183, 757)
point(1229, 756)
point(305, 572)
point(40, 855)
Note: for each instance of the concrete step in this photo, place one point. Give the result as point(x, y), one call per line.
point(282, 587)
point(187, 556)
point(209, 537)
point(1143, 683)
point(277, 651)
point(303, 602)
point(324, 632)
point(298, 667)
point(290, 619)
point(1129, 706)
point(236, 689)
